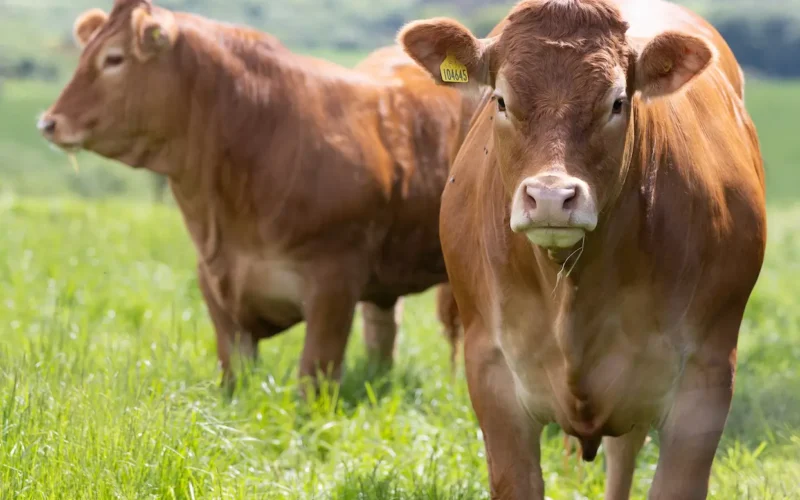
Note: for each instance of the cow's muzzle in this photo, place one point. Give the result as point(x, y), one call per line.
point(60, 132)
point(553, 210)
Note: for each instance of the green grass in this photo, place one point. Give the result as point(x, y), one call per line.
point(774, 106)
point(108, 384)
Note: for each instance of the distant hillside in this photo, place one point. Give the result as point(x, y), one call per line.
point(35, 34)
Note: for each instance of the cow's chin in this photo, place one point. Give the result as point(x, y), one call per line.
point(69, 149)
point(71, 144)
point(128, 153)
point(555, 238)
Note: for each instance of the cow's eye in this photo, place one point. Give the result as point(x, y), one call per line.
point(501, 104)
point(618, 105)
point(113, 60)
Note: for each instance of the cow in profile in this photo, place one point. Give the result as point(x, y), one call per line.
point(306, 187)
point(603, 233)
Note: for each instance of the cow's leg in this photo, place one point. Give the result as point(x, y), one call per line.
point(621, 455)
point(691, 432)
point(329, 308)
point(234, 346)
point(510, 435)
point(380, 330)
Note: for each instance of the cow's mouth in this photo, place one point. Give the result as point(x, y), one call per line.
point(555, 238)
point(62, 134)
point(70, 147)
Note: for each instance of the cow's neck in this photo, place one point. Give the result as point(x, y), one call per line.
point(607, 259)
point(238, 106)
point(630, 253)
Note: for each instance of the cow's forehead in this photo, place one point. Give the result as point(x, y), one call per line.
point(130, 4)
point(575, 26)
point(553, 80)
point(567, 20)
point(574, 47)
point(116, 26)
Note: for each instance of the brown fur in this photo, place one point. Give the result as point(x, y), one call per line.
point(306, 187)
point(87, 24)
point(637, 325)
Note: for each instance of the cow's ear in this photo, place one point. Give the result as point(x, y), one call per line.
point(154, 32)
point(670, 61)
point(449, 51)
point(87, 25)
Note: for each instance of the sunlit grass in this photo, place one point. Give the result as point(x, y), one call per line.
point(108, 384)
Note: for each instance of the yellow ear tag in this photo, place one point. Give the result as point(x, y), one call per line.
point(156, 34)
point(666, 67)
point(453, 71)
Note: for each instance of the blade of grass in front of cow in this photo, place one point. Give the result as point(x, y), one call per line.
point(73, 159)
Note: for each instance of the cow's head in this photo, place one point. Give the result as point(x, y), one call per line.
point(121, 84)
point(563, 75)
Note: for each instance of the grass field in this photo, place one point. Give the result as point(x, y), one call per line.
point(108, 384)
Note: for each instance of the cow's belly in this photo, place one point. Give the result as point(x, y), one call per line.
point(258, 291)
point(408, 265)
point(273, 289)
point(615, 385)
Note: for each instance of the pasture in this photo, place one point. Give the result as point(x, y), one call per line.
point(108, 380)
point(108, 384)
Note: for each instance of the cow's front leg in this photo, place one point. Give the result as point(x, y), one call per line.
point(511, 437)
point(691, 432)
point(235, 346)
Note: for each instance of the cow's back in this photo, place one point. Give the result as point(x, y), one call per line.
point(705, 132)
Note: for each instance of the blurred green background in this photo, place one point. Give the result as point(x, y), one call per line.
point(107, 356)
point(37, 55)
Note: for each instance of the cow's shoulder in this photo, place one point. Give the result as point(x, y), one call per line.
point(472, 213)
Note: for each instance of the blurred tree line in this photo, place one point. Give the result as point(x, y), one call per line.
point(766, 44)
point(765, 35)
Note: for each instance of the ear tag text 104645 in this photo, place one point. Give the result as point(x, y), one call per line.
point(453, 71)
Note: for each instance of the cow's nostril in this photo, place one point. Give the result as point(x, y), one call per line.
point(569, 201)
point(531, 199)
point(48, 125)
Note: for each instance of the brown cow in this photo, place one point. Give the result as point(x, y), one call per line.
point(603, 233)
point(306, 187)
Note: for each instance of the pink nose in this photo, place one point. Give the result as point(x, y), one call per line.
point(46, 125)
point(550, 200)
